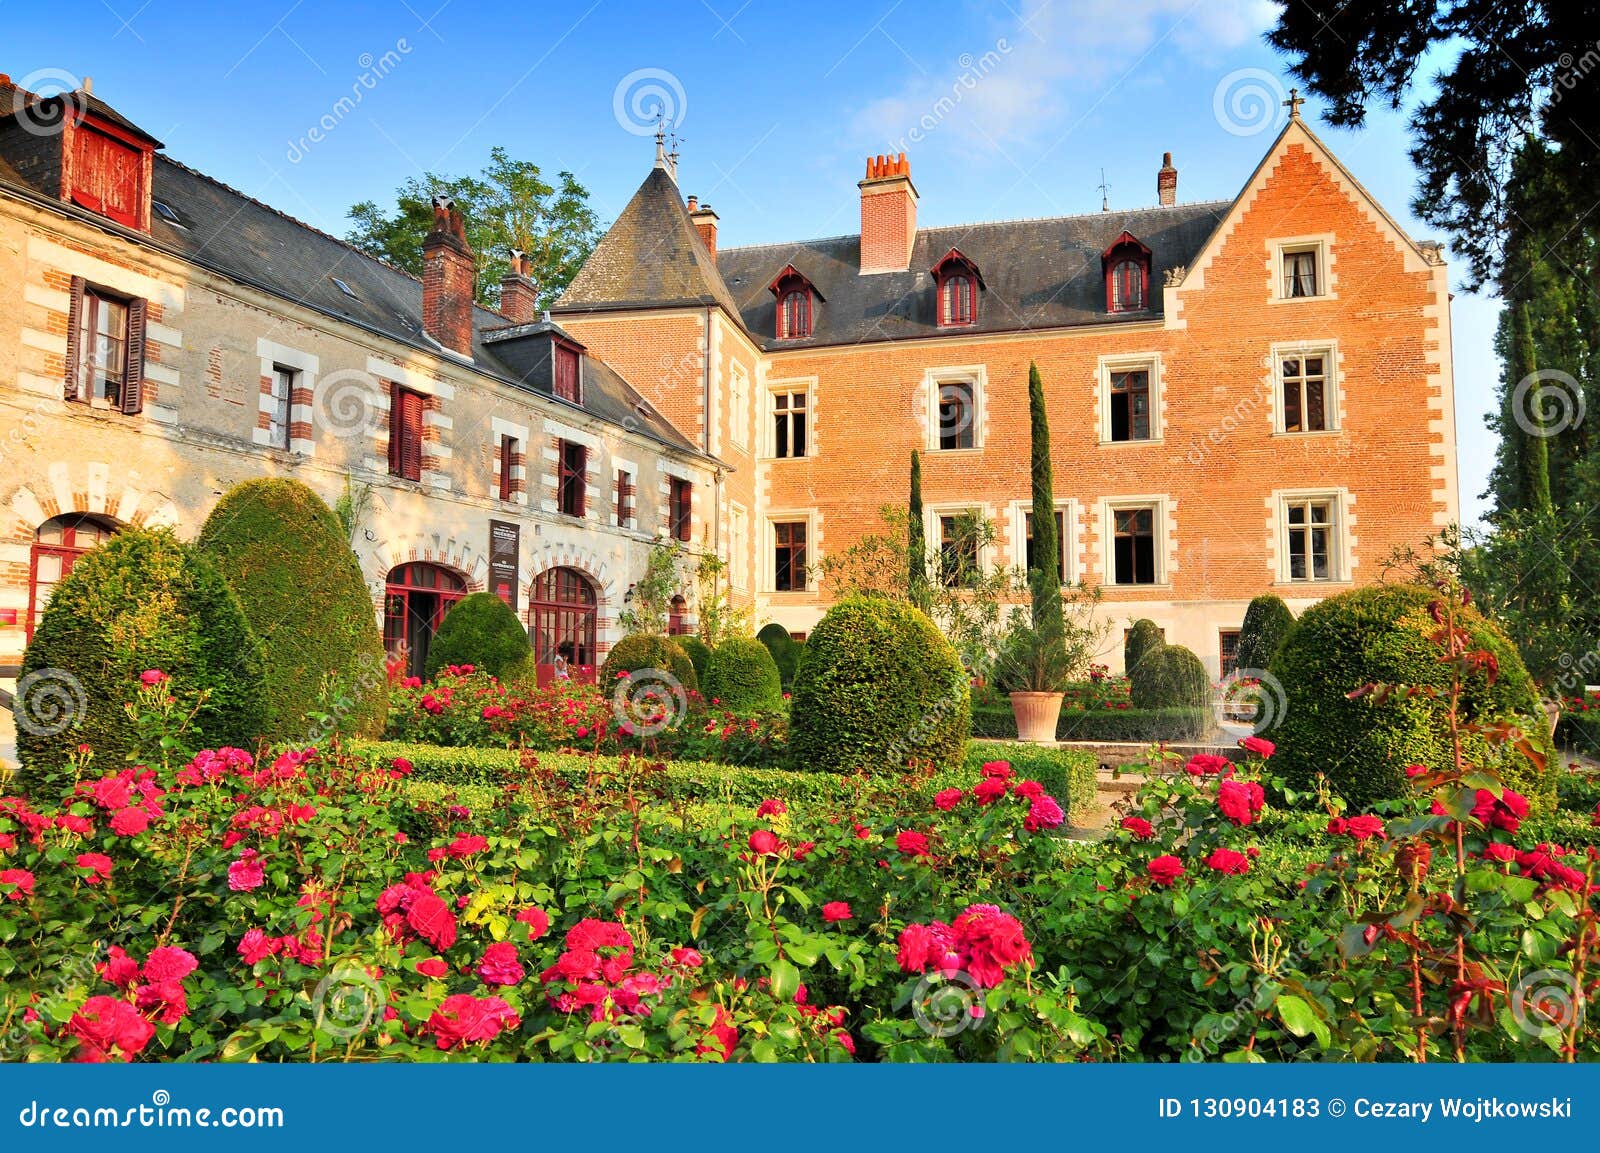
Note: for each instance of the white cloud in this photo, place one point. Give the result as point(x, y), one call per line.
point(1046, 60)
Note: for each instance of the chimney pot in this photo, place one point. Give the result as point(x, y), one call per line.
point(888, 214)
point(449, 276)
point(704, 219)
point(1167, 181)
point(519, 294)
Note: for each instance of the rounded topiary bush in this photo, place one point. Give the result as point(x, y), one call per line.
point(284, 553)
point(1144, 637)
point(648, 651)
point(483, 631)
point(140, 601)
point(878, 685)
point(1169, 677)
point(743, 677)
point(699, 654)
point(1267, 622)
point(784, 648)
point(1382, 634)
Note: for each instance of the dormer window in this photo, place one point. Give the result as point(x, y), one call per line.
point(108, 173)
point(1127, 268)
point(957, 281)
point(568, 373)
point(797, 301)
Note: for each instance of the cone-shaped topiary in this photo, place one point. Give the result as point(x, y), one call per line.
point(1144, 637)
point(742, 677)
point(784, 648)
point(878, 686)
point(699, 654)
point(140, 601)
point(483, 631)
point(648, 651)
point(1169, 677)
point(286, 556)
point(1266, 622)
point(1382, 634)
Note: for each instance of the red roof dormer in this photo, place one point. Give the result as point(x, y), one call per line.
point(1126, 264)
point(797, 301)
point(956, 283)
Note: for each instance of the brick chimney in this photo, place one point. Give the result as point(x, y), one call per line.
point(519, 294)
point(705, 223)
point(448, 279)
point(1167, 181)
point(888, 215)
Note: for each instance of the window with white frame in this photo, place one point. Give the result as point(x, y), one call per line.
point(1312, 538)
point(960, 539)
point(1307, 396)
point(282, 385)
point(1135, 541)
point(1301, 269)
point(1130, 399)
point(955, 408)
point(1022, 533)
point(790, 422)
point(790, 539)
point(739, 406)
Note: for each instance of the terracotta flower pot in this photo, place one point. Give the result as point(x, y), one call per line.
point(1037, 714)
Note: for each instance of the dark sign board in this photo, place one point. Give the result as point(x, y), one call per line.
point(505, 547)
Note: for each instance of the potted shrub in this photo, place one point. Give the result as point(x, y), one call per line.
point(1034, 666)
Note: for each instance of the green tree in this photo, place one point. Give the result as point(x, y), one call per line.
point(509, 205)
point(1044, 579)
point(1266, 622)
point(1535, 456)
point(917, 541)
point(651, 603)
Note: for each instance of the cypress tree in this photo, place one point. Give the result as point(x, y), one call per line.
point(916, 542)
point(1044, 578)
point(1535, 454)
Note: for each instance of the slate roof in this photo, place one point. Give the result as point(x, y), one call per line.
point(652, 257)
point(246, 241)
point(1036, 274)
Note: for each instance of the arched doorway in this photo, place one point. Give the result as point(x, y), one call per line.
point(416, 597)
point(57, 545)
point(562, 611)
point(678, 616)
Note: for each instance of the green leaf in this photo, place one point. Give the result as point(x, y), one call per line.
point(1301, 1019)
point(785, 980)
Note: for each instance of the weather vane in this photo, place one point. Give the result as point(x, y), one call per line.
point(1105, 193)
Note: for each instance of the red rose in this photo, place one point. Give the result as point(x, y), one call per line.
point(1139, 827)
point(916, 943)
point(433, 967)
point(771, 807)
point(537, 920)
point(107, 1027)
point(1499, 852)
point(118, 968)
point(1030, 789)
point(1228, 861)
point(1043, 813)
point(98, 864)
point(1258, 745)
point(255, 945)
point(499, 965)
point(1337, 827)
point(1365, 826)
point(989, 790)
point(1164, 870)
point(168, 963)
point(463, 1019)
point(21, 881)
point(1233, 800)
point(1416, 770)
point(911, 843)
point(835, 911)
point(432, 918)
point(997, 770)
point(1207, 765)
point(764, 843)
point(246, 873)
point(465, 846)
point(130, 822)
point(152, 677)
point(947, 799)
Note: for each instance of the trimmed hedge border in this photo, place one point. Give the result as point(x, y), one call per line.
point(1067, 774)
point(1102, 724)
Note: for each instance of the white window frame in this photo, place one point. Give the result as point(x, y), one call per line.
point(1160, 529)
point(769, 443)
point(933, 535)
point(1321, 244)
point(306, 366)
point(1150, 362)
point(739, 546)
point(1341, 556)
point(769, 547)
point(1020, 511)
point(976, 375)
point(1333, 378)
point(739, 406)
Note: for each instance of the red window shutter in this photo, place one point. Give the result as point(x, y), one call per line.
point(581, 479)
point(411, 459)
point(506, 454)
point(133, 365)
point(396, 424)
point(74, 349)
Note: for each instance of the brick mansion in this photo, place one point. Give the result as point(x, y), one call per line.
point(1245, 395)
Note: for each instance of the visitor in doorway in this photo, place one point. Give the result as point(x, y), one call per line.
point(563, 654)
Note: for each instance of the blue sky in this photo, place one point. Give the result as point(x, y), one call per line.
point(1007, 109)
